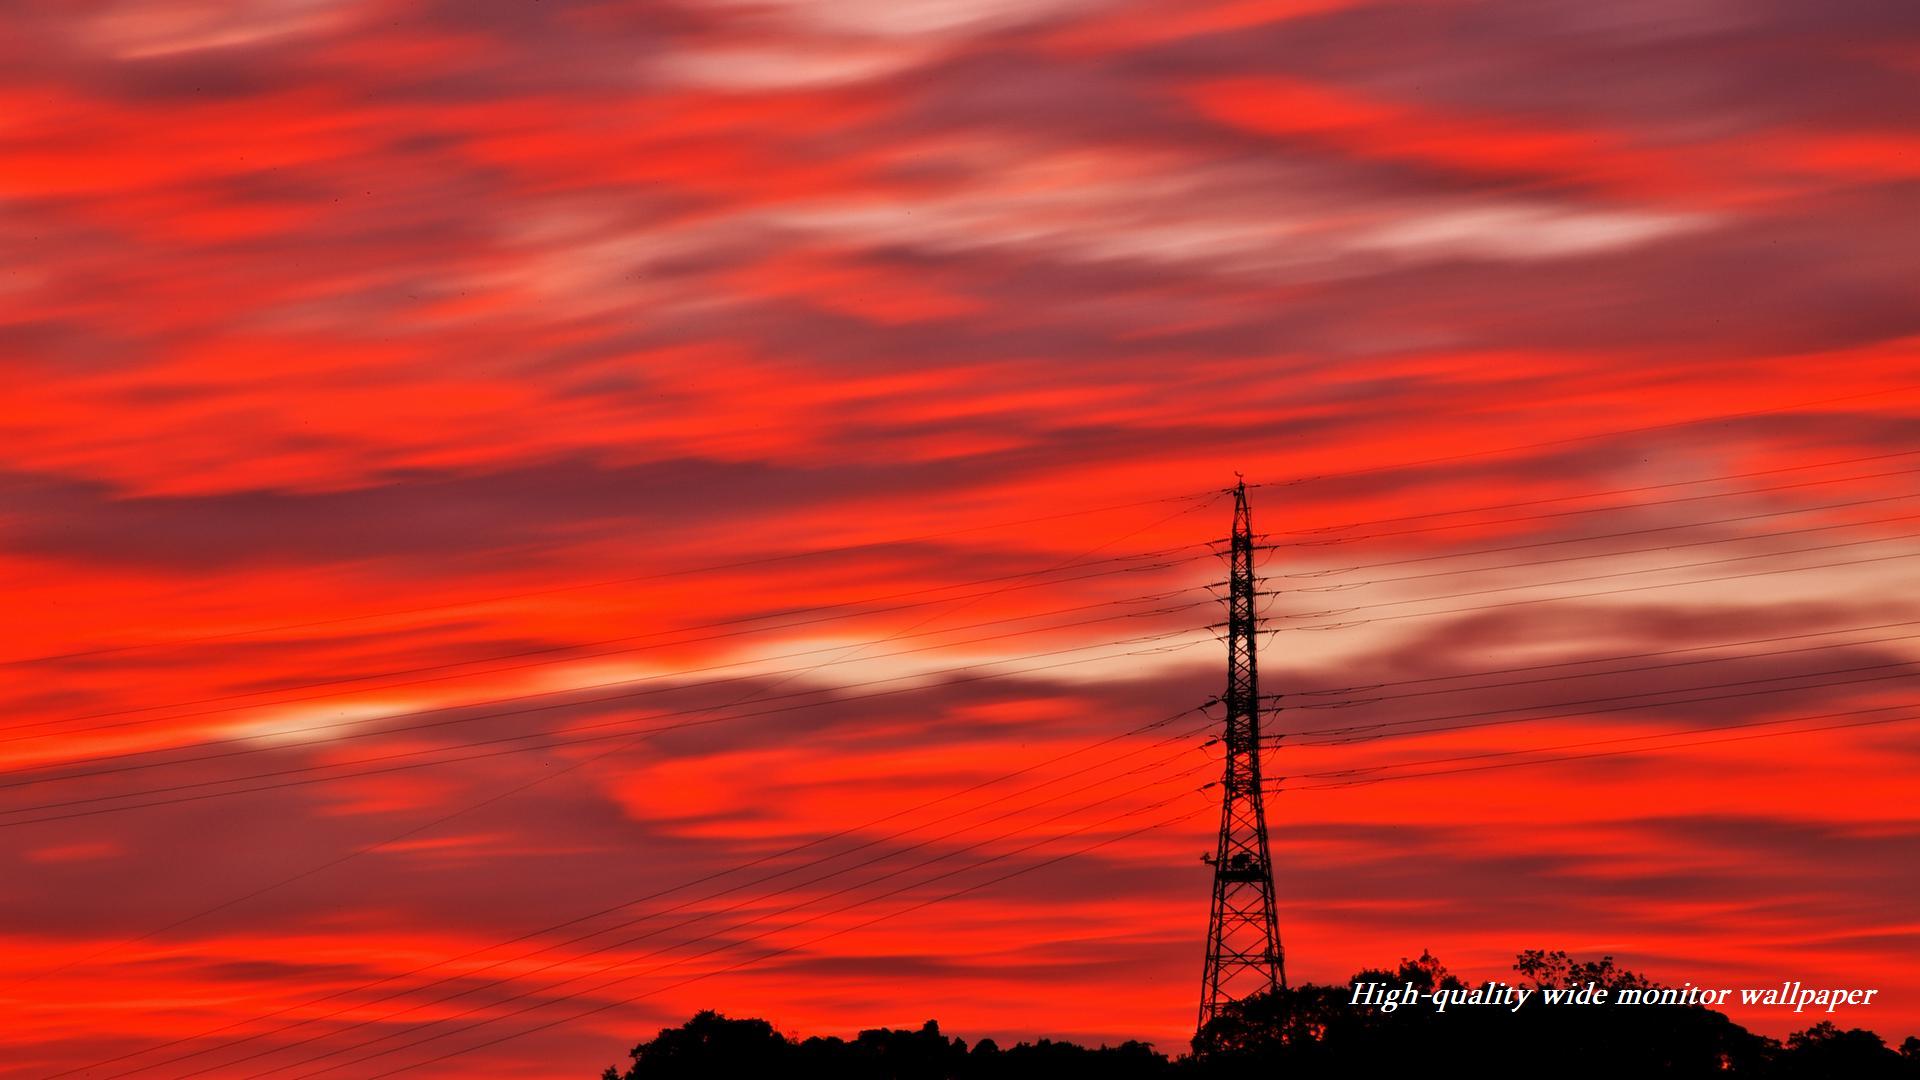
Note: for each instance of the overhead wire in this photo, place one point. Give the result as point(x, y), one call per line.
point(1684, 567)
point(732, 944)
point(578, 763)
point(1447, 555)
point(258, 748)
point(1569, 440)
point(557, 742)
point(518, 1034)
point(1358, 733)
point(1367, 687)
point(1766, 534)
point(1207, 494)
point(704, 915)
point(572, 655)
point(892, 541)
point(1609, 673)
point(760, 860)
point(1598, 494)
point(1613, 508)
point(1361, 781)
point(1345, 625)
point(1280, 788)
point(626, 979)
point(271, 740)
point(1349, 703)
point(1177, 819)
point(568, 768)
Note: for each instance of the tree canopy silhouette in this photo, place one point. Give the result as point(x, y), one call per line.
point(1314, 1030)
point(1311, 1031)
point(711, 1046)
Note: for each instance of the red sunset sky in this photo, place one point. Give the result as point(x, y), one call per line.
point(469, 465)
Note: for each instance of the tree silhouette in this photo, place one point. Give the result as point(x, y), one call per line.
point(1824, 1052)
point(1544, 970)
point(714, 1047)
point(707, 1045)
point(1311, 1031)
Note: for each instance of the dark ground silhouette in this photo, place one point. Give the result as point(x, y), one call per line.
point(1313, 1031)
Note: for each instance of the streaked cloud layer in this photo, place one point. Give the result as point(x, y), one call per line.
point(559, 452)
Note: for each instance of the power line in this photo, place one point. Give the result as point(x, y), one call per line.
point(1332, 612)
point(631, 1000)
point(1350, 703)
point(867, 545)
point(1355, 733)
point(852, 906)
point(1531, 761)
point(609, 1006)
point(577, 920)
point(1579, 757)
point(617, 747)
point(1592, 595)
point(254, 738)
point(557, 742)
point(444, 1034)
point(802, 945)
point(1655, 570)
point(1607, 576)
point(552, 745)
point(732, 565)
point(1570, 439)
point(574, 656)
point(723, 893)
point(1764, 534)
point(716, 894)
point(1599, 494)
point(1609, 509)
point(1292, 694)
point(1603, 536)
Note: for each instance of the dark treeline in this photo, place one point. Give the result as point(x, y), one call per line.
point(1312, 1031)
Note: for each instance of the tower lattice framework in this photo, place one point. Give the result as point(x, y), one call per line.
point(1244, 956)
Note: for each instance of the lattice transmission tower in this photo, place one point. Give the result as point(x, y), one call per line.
point(1244, 956)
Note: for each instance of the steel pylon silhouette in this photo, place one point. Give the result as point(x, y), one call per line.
point(1244, 956)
